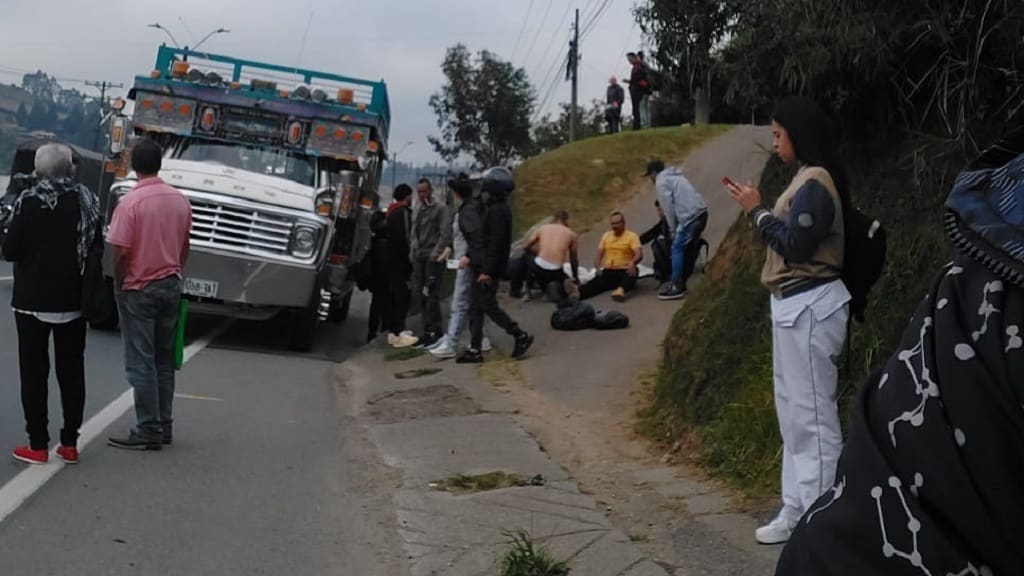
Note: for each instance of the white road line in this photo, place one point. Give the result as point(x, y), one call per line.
point(6, 278)
point(29, 481)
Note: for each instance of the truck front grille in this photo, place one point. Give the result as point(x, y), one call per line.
point(239, 229)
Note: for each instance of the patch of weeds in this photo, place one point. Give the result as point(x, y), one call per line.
point(417, 373)
point(639, 537)
point(403, 354)
point(525, 558)
point(501, 371)
point(486, 482)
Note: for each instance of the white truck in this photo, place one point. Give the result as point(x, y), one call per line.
point(281, 167)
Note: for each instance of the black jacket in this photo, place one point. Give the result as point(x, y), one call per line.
point(659, 230)
point(43, 244)
point(399, 248)
point(615, 95)
point(489, 235)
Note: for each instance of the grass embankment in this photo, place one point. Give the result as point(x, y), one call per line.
point(715, 376)
point(590, 177)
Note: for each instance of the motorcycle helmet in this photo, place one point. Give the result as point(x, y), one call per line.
point(497, 182)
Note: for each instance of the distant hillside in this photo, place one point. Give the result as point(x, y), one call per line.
point(11, 97)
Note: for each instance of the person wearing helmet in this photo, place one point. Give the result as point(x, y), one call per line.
point(488, 231)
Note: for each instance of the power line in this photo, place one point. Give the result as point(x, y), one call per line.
point(601, 11)
point(526, 59)
point(526, 20)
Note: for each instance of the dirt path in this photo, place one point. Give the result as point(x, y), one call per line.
point(581, 392)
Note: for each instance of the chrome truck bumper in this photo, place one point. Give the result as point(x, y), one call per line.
point(247, 281)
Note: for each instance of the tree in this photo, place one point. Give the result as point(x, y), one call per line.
point(38, 117)
point(550, 134)
point(483, 109)
point(21, 116)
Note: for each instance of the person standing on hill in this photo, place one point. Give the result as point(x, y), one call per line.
point(615, 97)
point(809, 303)
point(639, 88)
point(489, 238)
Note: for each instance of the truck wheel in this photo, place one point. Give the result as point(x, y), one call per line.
point(340, 312)
point(302, 329)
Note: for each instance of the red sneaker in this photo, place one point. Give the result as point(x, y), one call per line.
point(69, 454)
point(27, 454)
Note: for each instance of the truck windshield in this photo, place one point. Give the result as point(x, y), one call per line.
point(286, 164)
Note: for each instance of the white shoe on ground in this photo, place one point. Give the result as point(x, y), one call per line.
point(777, 531)
point(485, 345)
point(444, 351)
point(403, 340)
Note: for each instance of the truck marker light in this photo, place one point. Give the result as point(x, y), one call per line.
point(321, 131)
point(346, 95)
point(166, 106)
point(184, 109)
point(339, 134)
point(236, 85)
point(155, 74)
point(147, 103)
point(357, 136)
point(179, 69)
point(208, 119)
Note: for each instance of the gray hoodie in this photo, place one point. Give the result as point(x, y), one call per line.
point(678, 198)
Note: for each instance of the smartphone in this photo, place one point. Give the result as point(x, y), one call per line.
point(453, 264)
point(728, 182)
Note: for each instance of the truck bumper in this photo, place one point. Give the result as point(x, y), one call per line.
point(251, 282)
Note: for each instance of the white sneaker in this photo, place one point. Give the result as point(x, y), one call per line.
point(443, 352)
point(777, 531)
point(485, 345)
point(402, 340)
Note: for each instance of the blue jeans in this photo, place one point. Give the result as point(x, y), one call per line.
point(683, 235)
point(149, 318)
point(460, 306)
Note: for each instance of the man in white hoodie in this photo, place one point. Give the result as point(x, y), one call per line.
point(686, 214)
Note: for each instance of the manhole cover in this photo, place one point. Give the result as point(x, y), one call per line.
point(417, 373)
point(440, 401)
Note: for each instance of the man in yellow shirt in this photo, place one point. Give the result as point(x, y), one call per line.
point(617, 256)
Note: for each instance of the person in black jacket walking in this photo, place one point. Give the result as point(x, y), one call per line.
point(489, 235)
point(399, 226)
point(53, 227)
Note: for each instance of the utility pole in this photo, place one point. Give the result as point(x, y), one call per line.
point(103, 85)
point(572, 71)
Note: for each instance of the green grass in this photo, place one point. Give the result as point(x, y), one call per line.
point(487, 482)
point(525, 558)
point(590, 177)
point(715, 375)
point(403, 354)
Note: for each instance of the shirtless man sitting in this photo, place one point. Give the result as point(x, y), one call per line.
point(555, 243)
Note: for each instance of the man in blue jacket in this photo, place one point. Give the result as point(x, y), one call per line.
point(686, 214)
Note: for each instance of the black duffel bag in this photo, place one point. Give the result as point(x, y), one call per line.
point(574, 316)
point(98, 305)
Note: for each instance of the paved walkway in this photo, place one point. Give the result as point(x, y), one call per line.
point(565, 413)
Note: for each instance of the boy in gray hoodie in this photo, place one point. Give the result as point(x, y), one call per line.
point(686, 214)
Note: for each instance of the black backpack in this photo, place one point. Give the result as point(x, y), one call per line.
point(610, 320)
point(575, 316)
point(864, 259)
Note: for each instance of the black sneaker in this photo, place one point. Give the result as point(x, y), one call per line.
point(523, 343)
point(673, 292)
point(135, 441)
point(427, 341)
point(470, 357)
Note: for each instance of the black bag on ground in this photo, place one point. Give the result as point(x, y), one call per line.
point(610, 320)
point(864, 259)
point(575, 316)
point(98, 305)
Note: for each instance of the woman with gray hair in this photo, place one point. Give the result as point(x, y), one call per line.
point(53, 226)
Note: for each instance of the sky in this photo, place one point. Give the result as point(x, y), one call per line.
point(400, 41)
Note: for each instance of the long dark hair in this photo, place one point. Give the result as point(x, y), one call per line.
point(814, 140)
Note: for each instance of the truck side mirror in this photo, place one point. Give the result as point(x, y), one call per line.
point(118, 134)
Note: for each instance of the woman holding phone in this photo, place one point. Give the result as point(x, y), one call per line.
point(809, 304)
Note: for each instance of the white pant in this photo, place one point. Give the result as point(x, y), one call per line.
point(645, 111)
point(460, 306)
point(806, 352)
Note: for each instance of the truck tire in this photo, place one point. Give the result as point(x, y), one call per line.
point(340, 312)
point(302, 329)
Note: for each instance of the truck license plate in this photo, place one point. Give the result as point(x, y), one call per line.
point(200, 288)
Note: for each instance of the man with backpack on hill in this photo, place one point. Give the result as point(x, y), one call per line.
point(639, 91)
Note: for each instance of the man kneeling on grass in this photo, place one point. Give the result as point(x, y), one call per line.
point(617, 257)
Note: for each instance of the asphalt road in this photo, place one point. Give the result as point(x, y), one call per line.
point(269, 474)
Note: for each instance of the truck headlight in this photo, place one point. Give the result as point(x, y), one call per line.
point(304, 241)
